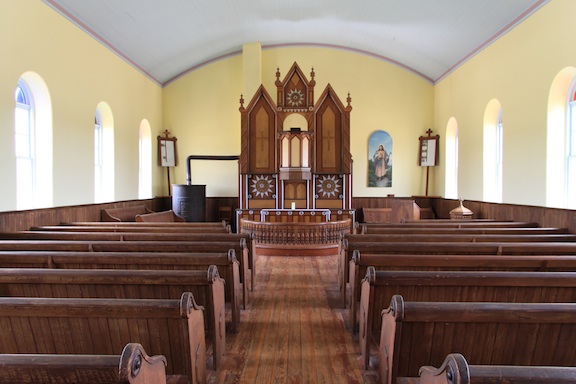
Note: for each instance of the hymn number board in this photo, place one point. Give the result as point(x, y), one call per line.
point(428, 151)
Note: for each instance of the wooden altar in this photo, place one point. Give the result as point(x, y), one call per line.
point(295, 151)
point(295, 160)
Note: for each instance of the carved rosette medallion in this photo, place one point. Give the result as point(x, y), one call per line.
point(328, 186)
point(262, 187)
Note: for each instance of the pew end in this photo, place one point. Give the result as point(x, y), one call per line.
point(132, 366)
point(456, 370)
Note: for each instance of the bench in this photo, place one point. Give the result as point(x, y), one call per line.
point(134, 234)
point(164, 216)
point(445, 248)
point(166, 245)
point(206, 286)
point(173, 328)
point(416, 334)
point(178, 224)
point(227, 264)
point(457, 224)
point(364, 229)
point(123, 213)
point(204, 227)
point(462, 237)
point(378, 288)
point(384, 262)
point(456, 370)
point(133, 365)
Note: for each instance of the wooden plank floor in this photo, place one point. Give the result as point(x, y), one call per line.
point(293, 330)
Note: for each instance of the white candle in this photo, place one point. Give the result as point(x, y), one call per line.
point(293, 205)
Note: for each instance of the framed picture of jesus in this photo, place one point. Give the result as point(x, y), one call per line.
point(380, 159)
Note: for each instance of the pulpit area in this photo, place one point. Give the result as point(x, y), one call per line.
point(295, 166)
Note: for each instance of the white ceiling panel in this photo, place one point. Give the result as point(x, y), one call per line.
point(166, 38)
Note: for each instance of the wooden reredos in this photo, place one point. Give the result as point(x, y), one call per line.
point(295, 150)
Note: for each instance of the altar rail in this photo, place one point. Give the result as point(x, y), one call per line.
point(296, 233)
point(296, 215)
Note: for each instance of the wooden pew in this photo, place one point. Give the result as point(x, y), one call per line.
point(123, 213)
point(133, 366)
point(370, 230)
point(384, 262)
point(456, 370)
point(135, 234)
point(416, 334)
point(226, 263)
point(164, 216)
point(445, 248)
point(140, 226)
point(462, 237)
point(137, 244)
point(457, 224)
point(173, 328)
point(187, 224)
point(378, 288)
point(206, 286)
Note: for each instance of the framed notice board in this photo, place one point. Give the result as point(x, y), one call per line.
point(167, 154)
point(428, 150)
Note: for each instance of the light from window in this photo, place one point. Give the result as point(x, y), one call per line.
point(98, 158)
point(499, 158)
point(571, 155)
point(451, 169)
point(24, 147)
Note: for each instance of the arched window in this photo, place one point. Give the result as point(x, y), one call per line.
point(98, 158)
point(560, 141)
point(571, 149)
point(33, 142)
point(25, 147)
point(103, 154)
point(493, 152)
point(145, 161)
point(451, 169)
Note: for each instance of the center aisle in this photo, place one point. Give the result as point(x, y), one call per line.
point(293, 330)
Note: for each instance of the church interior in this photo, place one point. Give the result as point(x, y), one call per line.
point(320, 192)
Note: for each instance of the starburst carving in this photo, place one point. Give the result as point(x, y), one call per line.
point(295, 97)
point(262, 186)
point(328, 186)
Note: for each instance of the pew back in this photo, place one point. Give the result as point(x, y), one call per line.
point(240, 248)
point(227, 264)
point(416, 334)
point(383, 262)
point(205, 285)
point(173, 328)
point(379, 287)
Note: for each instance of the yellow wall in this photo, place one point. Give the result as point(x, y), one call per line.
point(79, 73)
point(201, 109)
point(517, 70)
